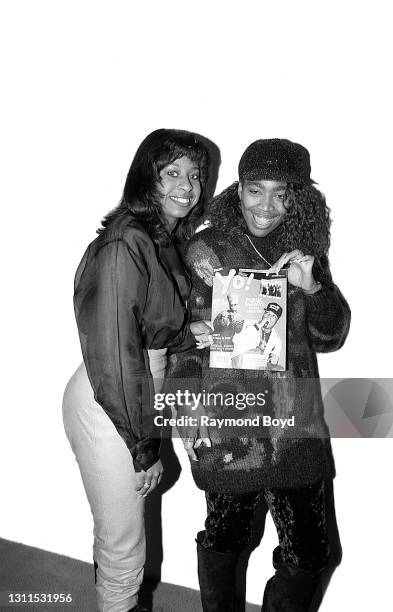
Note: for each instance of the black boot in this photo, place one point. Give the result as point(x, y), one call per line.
point(217, 578)
point(291, 589)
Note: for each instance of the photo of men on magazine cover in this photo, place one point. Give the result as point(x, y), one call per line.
point(249, 320)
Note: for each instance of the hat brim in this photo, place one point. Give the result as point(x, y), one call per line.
point(263, 174)
point(275, 313)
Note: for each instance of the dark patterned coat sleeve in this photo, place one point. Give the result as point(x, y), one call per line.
point(328, 313)
point(185, 368)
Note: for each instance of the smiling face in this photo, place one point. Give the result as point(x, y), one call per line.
point(268, 320)
point(262, 204)
point(180, 189)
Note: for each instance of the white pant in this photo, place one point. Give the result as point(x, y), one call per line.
point(108, 476)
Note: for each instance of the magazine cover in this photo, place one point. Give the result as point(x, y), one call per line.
point(249, 320)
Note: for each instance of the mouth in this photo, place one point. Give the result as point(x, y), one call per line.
point(182, 201)
point(263, 221)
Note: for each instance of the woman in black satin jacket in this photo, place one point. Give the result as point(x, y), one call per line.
point(130, 304)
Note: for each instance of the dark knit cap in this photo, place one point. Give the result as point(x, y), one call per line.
point(276, 159)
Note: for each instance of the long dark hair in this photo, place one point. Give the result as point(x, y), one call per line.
point(141, 199)
point(306, 225)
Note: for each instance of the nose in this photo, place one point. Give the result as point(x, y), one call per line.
point(185, 184)
point(266, 202)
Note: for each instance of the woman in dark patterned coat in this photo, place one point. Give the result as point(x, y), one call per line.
point(273, 217)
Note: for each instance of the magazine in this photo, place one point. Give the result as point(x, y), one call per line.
point(249, 320)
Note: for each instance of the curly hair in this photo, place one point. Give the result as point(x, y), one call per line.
point(141, 199)
point(305, 226)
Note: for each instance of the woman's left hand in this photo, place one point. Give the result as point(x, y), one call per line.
point(203, 334)
point(300, 269)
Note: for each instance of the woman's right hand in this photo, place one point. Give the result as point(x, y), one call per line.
point(146, 481)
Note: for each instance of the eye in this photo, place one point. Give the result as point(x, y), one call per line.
point(173, 173)
point(280, 196)
point(253, 190)
point(195, 176)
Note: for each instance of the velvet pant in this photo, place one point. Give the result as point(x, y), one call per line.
point(299, 516)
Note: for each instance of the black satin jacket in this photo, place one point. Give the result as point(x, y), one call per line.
point(130, 295)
